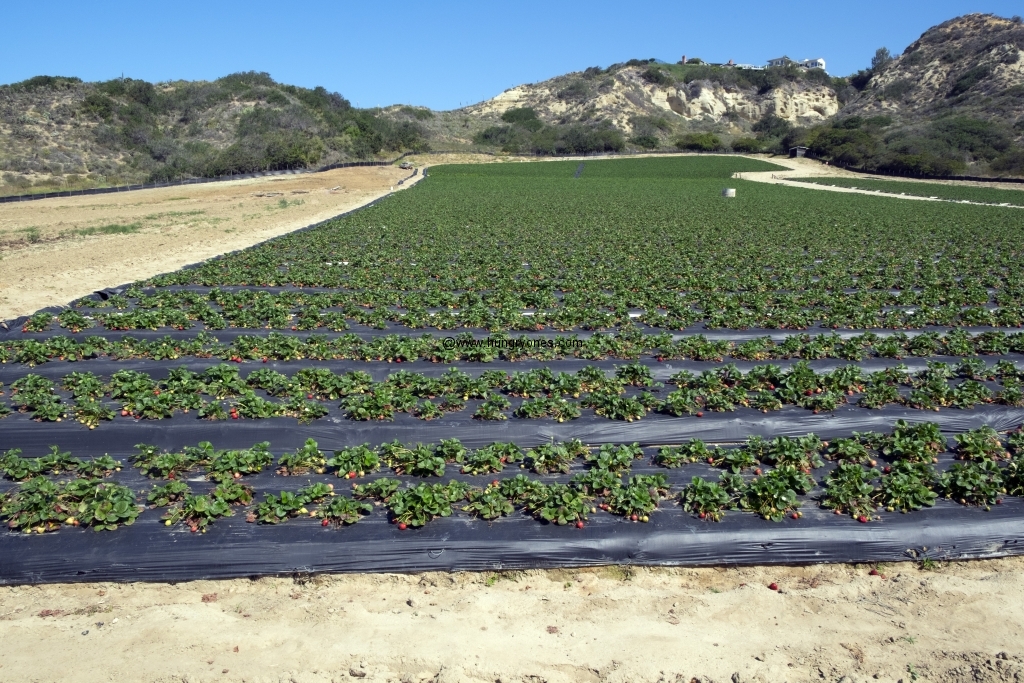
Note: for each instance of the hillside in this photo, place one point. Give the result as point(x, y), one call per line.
point(644, 104)
point(953, 102)
point(61, 132)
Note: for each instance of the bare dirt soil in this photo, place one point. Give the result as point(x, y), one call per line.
point(55, 250)
point(807, 168)
point(956, 623)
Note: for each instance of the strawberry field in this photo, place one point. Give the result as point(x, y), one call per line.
point(534, 365)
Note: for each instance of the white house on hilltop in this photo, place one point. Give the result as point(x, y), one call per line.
point(818, 63)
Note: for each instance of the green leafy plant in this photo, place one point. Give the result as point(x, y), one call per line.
point(614, 458)
point(488, 503)
point(639, 497)
point(171, 492)
point(342, 510)
point(774, 494)
point(706, 499)
point(197, 512)
point(419, 504)
point(558, 504)
point(848, 491)
point(306, 459)
point(973, 483)
point(101, 505)
point(356, 461)
point(907, 486)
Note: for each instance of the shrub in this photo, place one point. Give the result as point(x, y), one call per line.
point(747, 145)
point(699, 142)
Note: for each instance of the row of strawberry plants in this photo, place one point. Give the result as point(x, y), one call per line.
point(463, 348)
point(909, 483)
point(598, 311)
point(545, 393)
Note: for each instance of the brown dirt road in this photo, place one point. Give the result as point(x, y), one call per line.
point(46, 260)
point(958, 623)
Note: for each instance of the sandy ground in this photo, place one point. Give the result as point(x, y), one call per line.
point(172, 227)
point(955, 623)
point(807, 168)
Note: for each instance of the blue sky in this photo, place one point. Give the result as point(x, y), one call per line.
point(444, 54)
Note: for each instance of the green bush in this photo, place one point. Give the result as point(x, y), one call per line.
point(747, 145)
point(699, 142)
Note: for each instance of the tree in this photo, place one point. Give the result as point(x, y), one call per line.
point(881, 59)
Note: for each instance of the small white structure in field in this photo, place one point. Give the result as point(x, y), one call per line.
point(729, 192)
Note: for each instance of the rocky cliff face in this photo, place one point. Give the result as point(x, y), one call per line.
point(625, 94)
point(969, 66)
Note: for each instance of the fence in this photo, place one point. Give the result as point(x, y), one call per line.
point(195, 181)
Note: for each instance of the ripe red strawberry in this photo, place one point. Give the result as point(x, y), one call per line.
point(873, 572)
point(757, 471)
point(887, 469)
point(309, 396)
point(711, 461)
point(402, 526)
point(579, 524)
point(773, 586)
point(634, 517)
point(324, 523)
point(352, 474)
point(795, 516)
point(702, 515)
point(700, 413)
point(494, 483)
point(124, 413)
point(862, 519)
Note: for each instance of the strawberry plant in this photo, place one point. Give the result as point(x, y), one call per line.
point(36, 506)
point(706, 499)
point(342, 510)
point(614, 458)
point(103, 466)
point(801, 452)
point(488, 503)
point(850, 451)
point(171, 492)
point(596, 482)
point(40, 322)
point(355, 462)
point(550, 457)
point(234, 464)
point(233, 493)
point(19, 469)
point(419, 504)
point(419, 461)
point(428, 410)
point(378, 489)
point(677, 456)
point(908, 486)
point(519, 488)
point(973, 483)
point(213, 411)
point(492, 408)
point(308, 458)
point(914, 443)
point(980, 444)
point(72, 320)
point(639, 497)
point(304, 410)
point(277, 509)
point(558, 504)
point(197, 512)
point(101, 505)
point(91, 412)
point(848, 490)
point(774, 494)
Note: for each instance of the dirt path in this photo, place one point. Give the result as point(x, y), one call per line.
point(48, 256)
point(807, 168)
point(954, 624)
